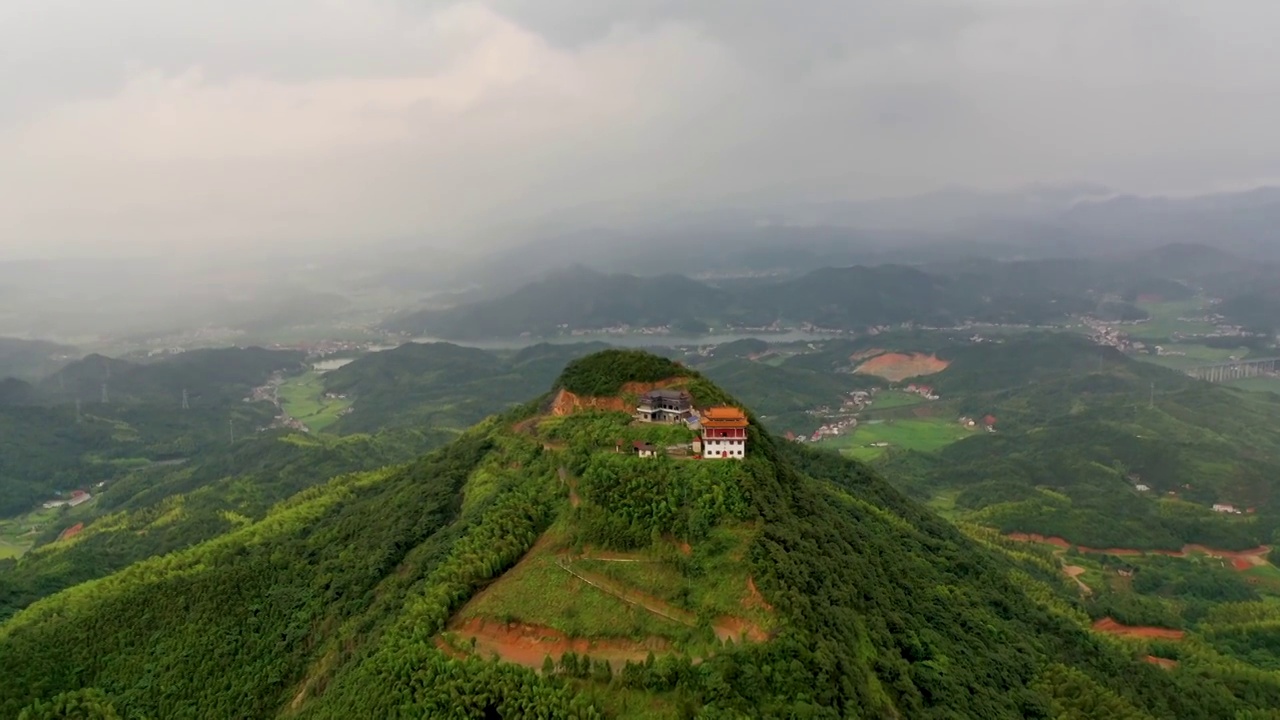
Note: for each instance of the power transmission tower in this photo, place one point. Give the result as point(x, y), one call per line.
point(185, 405)
point(77, 411)
point(104, 394)
point(231, 426)
point(1153, 396)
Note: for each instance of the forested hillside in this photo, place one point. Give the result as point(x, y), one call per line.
point(211, 377)
point(356, 598)
point(443, 386)
point(64, 435)
point(160, 508)
point(1081, 427)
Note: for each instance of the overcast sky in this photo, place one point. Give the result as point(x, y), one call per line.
point(143, 124)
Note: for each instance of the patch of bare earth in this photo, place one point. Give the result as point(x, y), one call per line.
point(313, 683)
point(895, 367)
point(1107, 625)
point(1165, 663)
point(1240, 559)
point(567, 403)
point(572, 482)
point(754, 599)
point(1074, 572)
point(529, 645)
point(71, 531)
point(738, 629)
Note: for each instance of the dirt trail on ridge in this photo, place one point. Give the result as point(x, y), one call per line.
point(726, 627)
point(1110, 626)
point(1074, 572)
point(529, 645)
point(1240, 559)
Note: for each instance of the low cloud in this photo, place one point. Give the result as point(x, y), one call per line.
point(143, 126)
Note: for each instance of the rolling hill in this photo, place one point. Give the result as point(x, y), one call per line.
point(575, 297)
point(49, 444)
point(1080, 427)
point(791, 584)
point(211, 377)
point(846, 298)
point(31, 359)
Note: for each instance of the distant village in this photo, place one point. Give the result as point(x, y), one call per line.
point(77, 497)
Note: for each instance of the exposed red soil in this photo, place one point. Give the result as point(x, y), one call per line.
point(1107, 625)
point(1240, 559)
point(71, 531)
point(737, 629)
point(686, 548)
point(529, 645)
point(1035, 537)
point(900, 366)
point(754, 599)
point(1165, 663)
point(1121, 552)
point(567, 403)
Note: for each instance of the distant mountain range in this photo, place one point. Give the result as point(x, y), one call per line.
point(789, 235)
point(850, 298)
point(30, 359)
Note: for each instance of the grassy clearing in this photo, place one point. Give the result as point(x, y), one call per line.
point(1165, 320)
point(1257, 384)
point(1195, 355)
point(712, 584)
point(537, 591)
point(925, 434)
point(303, 398)
point(18, 534)
point(944, 503)
point(886, 399)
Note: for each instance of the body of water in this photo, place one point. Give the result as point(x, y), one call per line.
point(335, 363)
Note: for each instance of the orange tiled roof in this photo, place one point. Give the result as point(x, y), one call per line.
point(724, 417)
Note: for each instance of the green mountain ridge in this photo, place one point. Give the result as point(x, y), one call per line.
point(334, 603)
point(210, 377)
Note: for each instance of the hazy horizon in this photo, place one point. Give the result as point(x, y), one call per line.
point(142, 127)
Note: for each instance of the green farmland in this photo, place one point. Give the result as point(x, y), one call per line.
point(1165, 319)
point(303, 398)
point(925, 435)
